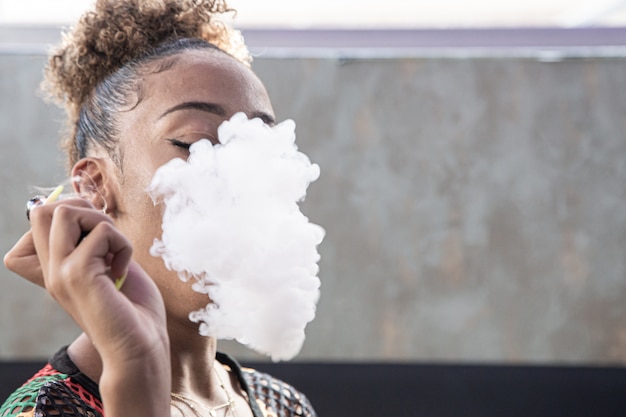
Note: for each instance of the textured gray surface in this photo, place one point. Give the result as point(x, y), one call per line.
point(474, 208)
point(30, 321)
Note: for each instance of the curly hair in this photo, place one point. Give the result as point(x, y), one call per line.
point(100, 59)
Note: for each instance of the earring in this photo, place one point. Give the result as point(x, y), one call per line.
point(91, 188)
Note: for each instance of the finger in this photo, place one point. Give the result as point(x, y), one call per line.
point(82, 281)
point(22, 259)
point(83, 244)
point(41, 219)
point(41, 200)
point(111, 246)
point(117, 321)
point(70, 225)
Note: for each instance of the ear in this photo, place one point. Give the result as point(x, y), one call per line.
point(96, 181)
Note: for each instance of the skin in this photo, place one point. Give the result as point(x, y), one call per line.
point(147, 321)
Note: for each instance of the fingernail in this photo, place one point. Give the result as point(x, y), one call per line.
point(120, 281)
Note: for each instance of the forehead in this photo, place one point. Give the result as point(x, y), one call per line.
point(204, 75)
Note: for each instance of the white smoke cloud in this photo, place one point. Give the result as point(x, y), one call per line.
point(232, 224)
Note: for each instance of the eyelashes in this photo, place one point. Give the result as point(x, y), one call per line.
point(186, 145)
point(180, 144)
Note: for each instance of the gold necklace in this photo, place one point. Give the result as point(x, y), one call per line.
point(189, 402)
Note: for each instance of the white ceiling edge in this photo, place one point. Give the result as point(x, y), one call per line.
point(366, 14)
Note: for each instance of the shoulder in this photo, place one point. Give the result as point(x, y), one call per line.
point(24, 399)
point(51, 393)
point(275, 397)
point(269, 396)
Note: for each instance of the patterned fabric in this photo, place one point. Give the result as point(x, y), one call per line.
point(57, 399)
point(51, 393)
point(61, 390)
point(276, 398)
point(24, 398)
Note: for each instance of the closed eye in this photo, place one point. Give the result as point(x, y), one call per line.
point(180, 143)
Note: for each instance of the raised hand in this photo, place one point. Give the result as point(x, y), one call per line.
point(77, 253)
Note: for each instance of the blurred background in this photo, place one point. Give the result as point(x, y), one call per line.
point(473, 186)
point(353, 14)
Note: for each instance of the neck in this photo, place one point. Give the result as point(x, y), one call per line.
point(85, 357)
point(192, 360)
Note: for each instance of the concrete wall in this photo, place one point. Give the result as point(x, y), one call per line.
point(474, 208)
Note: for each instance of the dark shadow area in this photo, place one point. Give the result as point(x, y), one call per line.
point(338, 390)
point(14, 374)
point(433, 390)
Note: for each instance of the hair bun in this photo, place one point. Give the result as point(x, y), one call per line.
point(116, 32)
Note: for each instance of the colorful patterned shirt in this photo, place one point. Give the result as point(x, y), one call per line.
point(60, 389)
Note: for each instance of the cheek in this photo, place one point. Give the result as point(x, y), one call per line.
point(136, 200)
point(139, 219)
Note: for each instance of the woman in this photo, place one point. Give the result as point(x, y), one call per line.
point(141, 81)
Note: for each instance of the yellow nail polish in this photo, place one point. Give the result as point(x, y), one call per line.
point(120, 282)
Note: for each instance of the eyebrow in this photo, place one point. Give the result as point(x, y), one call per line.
point(196, 105)
point(214, 109)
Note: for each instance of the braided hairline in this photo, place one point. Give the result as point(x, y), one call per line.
point(111, 40)
point(122, 91)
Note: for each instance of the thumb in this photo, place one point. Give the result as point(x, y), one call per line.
point(23, 260)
